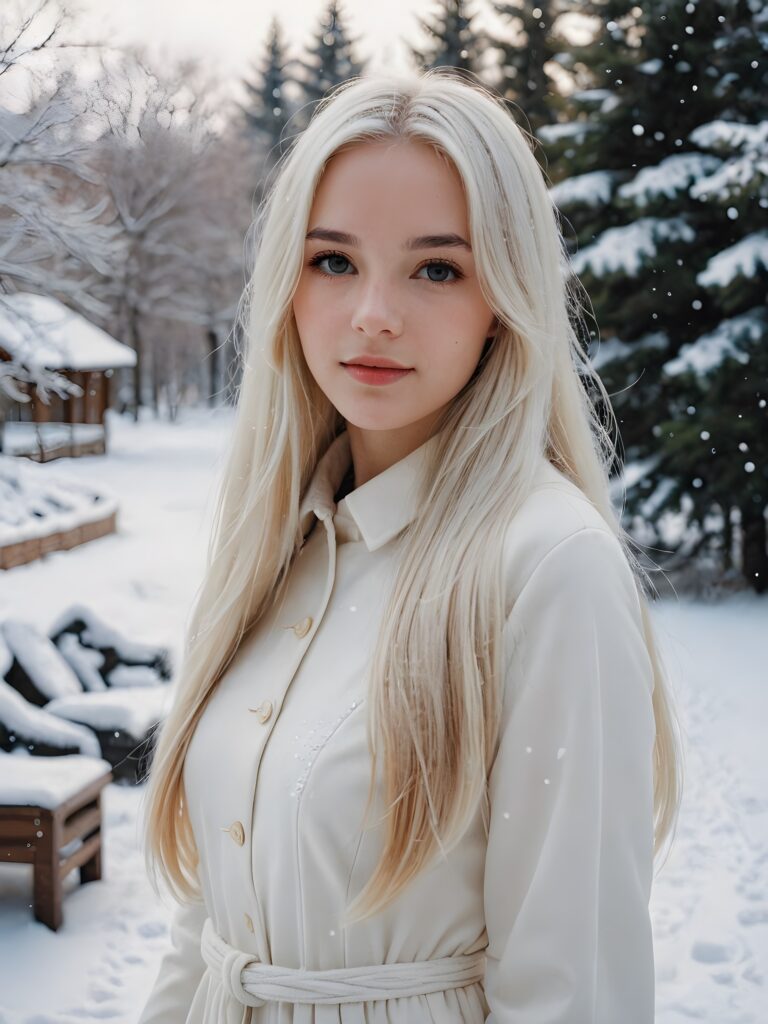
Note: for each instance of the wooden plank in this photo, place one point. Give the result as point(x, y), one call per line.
point(81, 823)
point(47, 878)
point(17, 855)
point(22, 552)
point(19, 811)
point(82, 854)
point(88, 793)
point(90, 868)
point(17, 829)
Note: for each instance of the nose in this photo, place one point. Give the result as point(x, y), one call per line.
point(377, 311)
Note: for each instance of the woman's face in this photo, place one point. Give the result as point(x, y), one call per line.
point(400, 285)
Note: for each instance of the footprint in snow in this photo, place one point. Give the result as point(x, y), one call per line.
point(713, 952)
point(133, 958)
point(101, 994)
point(152, 929)
point(753, 915)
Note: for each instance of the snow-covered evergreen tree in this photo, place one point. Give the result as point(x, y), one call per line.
point(722, 438)
point(666, 193)
point(329, 61)
point(525, 62)
point(453, 40)
point(268, 108)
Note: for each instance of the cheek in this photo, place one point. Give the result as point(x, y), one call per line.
point(308, 301)
point(301, 306)
point(457, 345)
point(312, 318)
point(315, 292)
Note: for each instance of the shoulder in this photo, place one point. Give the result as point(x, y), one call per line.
point(558, 527)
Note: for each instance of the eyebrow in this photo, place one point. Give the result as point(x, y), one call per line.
point(420, 242)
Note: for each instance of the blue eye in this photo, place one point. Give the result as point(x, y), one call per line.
point(443, 265)
point(322, 257)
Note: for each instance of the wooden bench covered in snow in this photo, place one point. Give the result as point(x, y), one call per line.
point(94, 680)
point(50, 817)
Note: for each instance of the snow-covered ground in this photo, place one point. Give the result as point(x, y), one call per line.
point(710, 899)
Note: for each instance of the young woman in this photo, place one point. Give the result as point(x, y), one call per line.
point(421, 755)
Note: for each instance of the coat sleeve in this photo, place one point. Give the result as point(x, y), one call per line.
point(569, 860)
point(181, 968)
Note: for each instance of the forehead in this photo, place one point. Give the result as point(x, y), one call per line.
point(397, 182)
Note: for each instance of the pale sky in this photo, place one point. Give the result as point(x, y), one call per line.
point(231, 34)
point(235, 31)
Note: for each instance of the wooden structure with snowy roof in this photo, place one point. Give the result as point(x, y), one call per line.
point(39, 332)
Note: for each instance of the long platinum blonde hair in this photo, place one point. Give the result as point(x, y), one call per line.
point(435, 680)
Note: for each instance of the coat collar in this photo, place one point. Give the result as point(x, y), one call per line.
point(381, 508)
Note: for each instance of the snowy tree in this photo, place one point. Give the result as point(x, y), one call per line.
point(453, 41)
point(525, 63)
point(719, 440)
point(181, 208)
point(53, 238)
point(268, 109)
point(214, 242)
point(664, 152)
point(330, 62)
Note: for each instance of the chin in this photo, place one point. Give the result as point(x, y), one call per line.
point(374, 419)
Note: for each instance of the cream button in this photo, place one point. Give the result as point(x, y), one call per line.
point(302, 628)
point(236, 832)
point(248, 922)
point(263, 711)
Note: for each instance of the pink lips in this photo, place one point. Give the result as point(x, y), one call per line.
point(374, 374)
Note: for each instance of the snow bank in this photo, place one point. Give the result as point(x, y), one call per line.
point(39, 657)
point(94, 632)
point(134, 675)
point(85, 661)
point(36, 500)
point(28, 722)
point(21, 438)
point(134, 711)
point(46, 781)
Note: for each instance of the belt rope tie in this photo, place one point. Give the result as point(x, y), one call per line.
point(253, 983)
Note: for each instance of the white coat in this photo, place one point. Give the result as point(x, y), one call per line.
point(546, 921)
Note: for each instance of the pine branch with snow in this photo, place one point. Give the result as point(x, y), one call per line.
point(661, 174)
